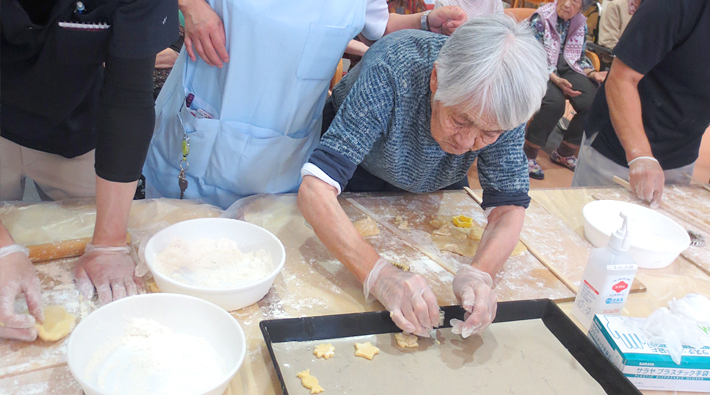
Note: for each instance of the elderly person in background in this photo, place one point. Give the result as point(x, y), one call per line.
point(562, 30)
point(474, 8)
point(415, 114)
point(614, 19)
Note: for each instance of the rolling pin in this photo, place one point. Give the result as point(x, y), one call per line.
point(60, 249)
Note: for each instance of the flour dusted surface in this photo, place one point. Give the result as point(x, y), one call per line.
point(212, 263)
point(151, 359)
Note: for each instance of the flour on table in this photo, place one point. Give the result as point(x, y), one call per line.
point(151, 359)
point(212, 263)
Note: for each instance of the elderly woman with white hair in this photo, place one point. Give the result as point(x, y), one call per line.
point(415, 114)
point(562, 30)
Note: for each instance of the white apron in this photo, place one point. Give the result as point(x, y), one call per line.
point(266, 103)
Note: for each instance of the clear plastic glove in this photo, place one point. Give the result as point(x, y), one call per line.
point(474, 290)
point(17, 275)
point(407, 296)
point(204, 29)
point(646, 178)
point(447, 19)
point(664, 327)
point(111, 270)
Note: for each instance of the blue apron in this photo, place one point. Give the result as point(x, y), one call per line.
point(254, 123)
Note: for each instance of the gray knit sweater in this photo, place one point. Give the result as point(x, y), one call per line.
point(383, 124)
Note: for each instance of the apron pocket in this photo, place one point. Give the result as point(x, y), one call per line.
point(82, 46)
point(324, 47)
point(247, 160)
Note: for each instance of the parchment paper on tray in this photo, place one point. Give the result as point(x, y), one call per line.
point(516, 357)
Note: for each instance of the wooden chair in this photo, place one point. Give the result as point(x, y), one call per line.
point(520, 14)
point(338, 74)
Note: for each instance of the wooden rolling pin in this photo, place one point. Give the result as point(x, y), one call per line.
point(60, 249)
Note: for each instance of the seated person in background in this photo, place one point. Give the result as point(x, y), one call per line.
point(562, 30)
point(474, 8)
point(648, 119)
point(415, 113)
point(614, 19)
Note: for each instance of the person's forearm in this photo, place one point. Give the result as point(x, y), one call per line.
point(625, 110)
point(499, 238)
point(185, 5)
point(400, 22)
point(319, 205)
point(5, 237)
point(113, 203)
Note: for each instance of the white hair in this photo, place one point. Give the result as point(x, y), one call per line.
point(495, 65)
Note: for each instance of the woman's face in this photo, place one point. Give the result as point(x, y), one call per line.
point(459, 132)
point(566, 9)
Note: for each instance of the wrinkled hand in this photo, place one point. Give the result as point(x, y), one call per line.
point(446, 19)
point(598, 76)
point(474, 290)
point(17, 275)
point(204, 30)
point(357, 48)
point(407, 296)
point(566, 87)
point(111, 270)
point(166, 58)
point(646, 178)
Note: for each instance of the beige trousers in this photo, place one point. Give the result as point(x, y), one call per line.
point(56, 177)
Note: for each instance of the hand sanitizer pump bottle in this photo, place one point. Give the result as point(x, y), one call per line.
point(607, 278)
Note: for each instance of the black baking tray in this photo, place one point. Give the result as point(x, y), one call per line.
point(347, 325)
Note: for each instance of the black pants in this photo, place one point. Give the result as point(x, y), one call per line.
point(553, 107)
point(362, 180)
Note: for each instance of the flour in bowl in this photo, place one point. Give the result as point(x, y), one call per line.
point(151, 359)
point(212, 263)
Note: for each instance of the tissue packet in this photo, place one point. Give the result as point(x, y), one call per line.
point(648, 365)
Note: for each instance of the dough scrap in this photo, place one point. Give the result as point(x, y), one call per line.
point(366, 350)
point(405, 340)
point(367, 227)
point(310, 382)
point(401, 223)
point(57, 324)
point(462, 241)
point(401, 266)
point(325, 351)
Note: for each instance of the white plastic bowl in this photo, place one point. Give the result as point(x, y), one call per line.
point(656, 240)
point(248, 237)
point(183, 314)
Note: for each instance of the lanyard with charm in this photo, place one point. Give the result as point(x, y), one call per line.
point(185, 146)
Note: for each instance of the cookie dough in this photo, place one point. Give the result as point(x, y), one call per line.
point(310, 382)
point(405, 340)
point(401, 266)
point(401, 222)
point(366, 350)
point(57, 324)
point(460, 240)
point(367, 227)
point(325, 351)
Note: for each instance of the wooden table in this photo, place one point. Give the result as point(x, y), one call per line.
point(314, 283)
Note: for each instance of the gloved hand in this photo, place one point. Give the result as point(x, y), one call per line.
point(646, 178)
point(474, 290)
point(111, 270)
point(407, 296)
point(17, 275)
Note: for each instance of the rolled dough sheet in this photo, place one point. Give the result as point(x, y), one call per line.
point(518, 357)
